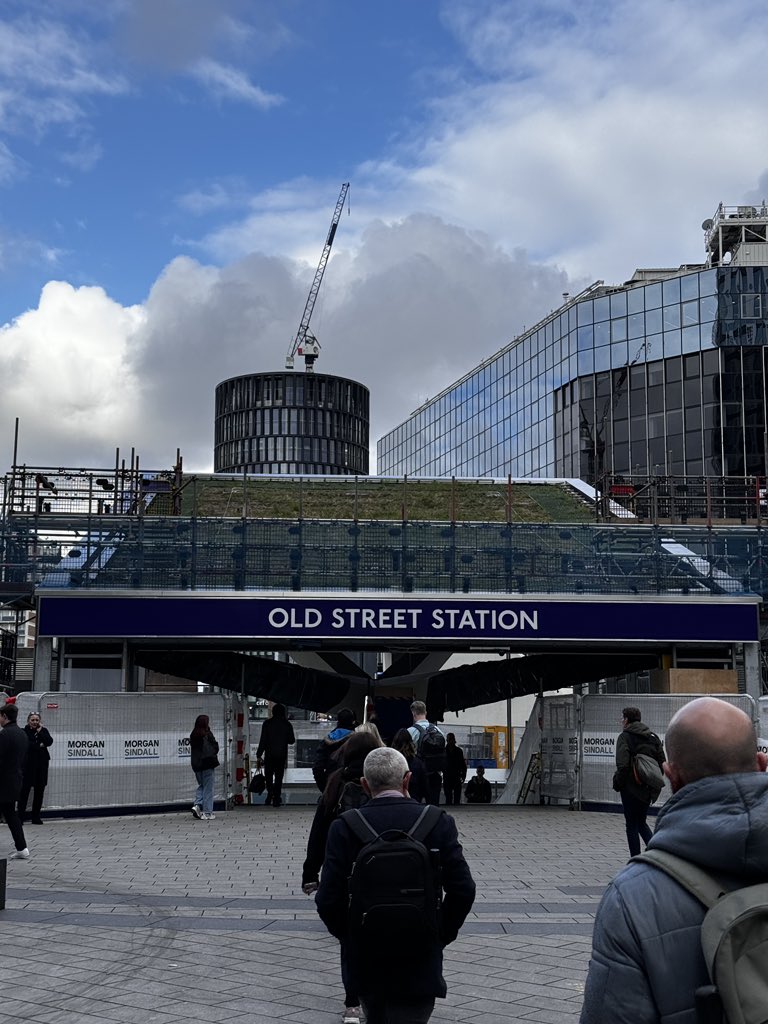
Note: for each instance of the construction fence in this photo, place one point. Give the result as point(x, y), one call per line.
point(131, 750)
point(568, 752)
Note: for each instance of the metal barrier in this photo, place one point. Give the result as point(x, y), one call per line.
point(119, 750)
point(559, 748)
point(406, 557)
point(576, 739)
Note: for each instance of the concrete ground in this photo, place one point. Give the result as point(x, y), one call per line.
point(163, 919)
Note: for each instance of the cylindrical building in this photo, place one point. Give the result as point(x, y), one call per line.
point(291, 423)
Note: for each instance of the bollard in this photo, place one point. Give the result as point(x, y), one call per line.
point(3, 866)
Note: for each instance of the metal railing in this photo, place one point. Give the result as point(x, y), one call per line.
point(182, 553)
point(684, 499)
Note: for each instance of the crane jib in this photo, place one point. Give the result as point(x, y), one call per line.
point(310, 352)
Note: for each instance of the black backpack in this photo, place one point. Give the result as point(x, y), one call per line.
point(431, 749)
point(351, 797)
point(395, 891)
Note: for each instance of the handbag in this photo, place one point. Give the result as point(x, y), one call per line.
point(209, 752)
point(257, 784)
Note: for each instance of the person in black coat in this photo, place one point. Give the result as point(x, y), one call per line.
point(354, 753)
point(35, 767)
point(276, 736)
point(455, 770)
point(14, 747)
point(400, 982)
point(479, 789)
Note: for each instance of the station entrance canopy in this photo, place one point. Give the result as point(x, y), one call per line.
point(564, 641)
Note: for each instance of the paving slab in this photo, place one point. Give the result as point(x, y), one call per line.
point(161, 918)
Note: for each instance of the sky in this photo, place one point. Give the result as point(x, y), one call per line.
point(169, 168)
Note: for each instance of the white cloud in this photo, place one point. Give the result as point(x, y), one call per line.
point(67, 375)
point(406, 313)
point(599, 136)
point(220, 195)
point(229, 83)
point(46, 70)
point(596, 138)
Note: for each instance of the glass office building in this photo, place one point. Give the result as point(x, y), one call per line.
point(665, 374)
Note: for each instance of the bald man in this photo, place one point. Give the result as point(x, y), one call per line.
point(646, 949)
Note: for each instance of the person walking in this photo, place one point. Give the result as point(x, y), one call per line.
point(455, 770)
point(342, 792)
point(328, 753)
point(418, 785)
point(430, 749)
point(397, 977)
point(203, 752)
point(635, 738)
point(276, 736)
point(647, 960)
point(35, 775)
point(14, 747)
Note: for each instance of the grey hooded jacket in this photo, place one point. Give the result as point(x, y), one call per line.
point(646, 948)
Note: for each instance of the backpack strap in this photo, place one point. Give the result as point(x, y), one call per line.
point(695, 880)
point(420, 829)
point(425, 822)
point(359, 825)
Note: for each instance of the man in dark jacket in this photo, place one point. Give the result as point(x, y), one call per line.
point(401, 981)
point(276, 736)
point(479, 788)
point(14, 747)
point(636, 798)
point(646, 950)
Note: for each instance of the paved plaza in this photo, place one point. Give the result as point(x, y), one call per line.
point(159, 919)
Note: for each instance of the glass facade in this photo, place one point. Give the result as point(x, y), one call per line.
point(291, 423)
point(666, 374)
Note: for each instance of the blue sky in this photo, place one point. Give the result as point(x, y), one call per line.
point(168, 169)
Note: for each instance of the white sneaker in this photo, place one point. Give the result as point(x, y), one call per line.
point(197, 810)
point(208, 817)
point(20, 854)
point(351, 1015)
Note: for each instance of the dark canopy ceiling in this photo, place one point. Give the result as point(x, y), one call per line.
point(455, 689)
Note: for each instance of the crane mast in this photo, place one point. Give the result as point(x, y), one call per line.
point(305, 343)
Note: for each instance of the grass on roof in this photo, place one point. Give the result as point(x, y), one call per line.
point(371, 498)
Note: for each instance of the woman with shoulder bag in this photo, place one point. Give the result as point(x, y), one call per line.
point(203, 749)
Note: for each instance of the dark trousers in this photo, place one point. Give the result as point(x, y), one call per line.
point(452, 790)
point(37, 800)
point(391, 1011)
point(8, 811)
point(434, 785)
point(274, 770)
point(635, 812)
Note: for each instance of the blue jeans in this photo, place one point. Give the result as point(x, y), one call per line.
point(204, 795)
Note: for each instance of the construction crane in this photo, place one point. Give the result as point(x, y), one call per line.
point(305, 343)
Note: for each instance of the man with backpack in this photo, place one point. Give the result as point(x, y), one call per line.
point(635, 743)
point(430, 749)
point(395, 889)
point(649, 951)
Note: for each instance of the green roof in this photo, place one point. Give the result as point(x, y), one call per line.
point(379, 499)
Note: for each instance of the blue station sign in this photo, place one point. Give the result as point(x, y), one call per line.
point(389, 618)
